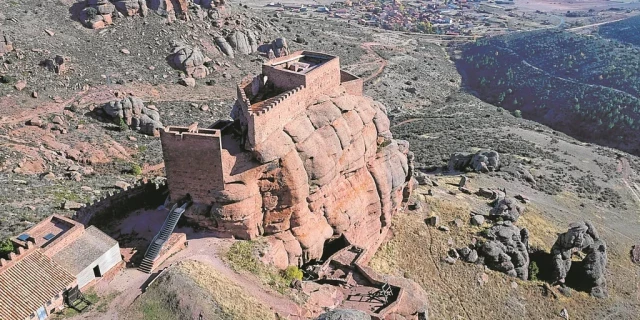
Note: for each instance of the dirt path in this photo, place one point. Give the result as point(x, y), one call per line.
point(380, 60)
point(625, 169)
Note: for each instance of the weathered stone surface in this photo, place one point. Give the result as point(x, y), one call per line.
point(188, 59)
point(506, 208)
point(507, 250)
point(133, 112)
point(482, 161)
point(635, 254)
point(314, 177)
point(581, 236)
point(344, 314)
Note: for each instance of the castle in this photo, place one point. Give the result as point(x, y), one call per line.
point(306, 159)
point(265, 103)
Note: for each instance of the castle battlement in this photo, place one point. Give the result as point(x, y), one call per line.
point(286, 87)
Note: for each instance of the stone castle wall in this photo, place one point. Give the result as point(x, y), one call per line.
point(118, 205)
point(193, 163)
point(276, 114)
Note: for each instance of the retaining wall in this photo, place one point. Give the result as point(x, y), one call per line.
point(118, 205)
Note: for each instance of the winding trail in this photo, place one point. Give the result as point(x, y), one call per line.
point(625, 169)
point(380, 60)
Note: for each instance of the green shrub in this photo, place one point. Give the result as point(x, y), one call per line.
point(121, 124)
point(6, 246)
point(533, 271)
point(7, 79)
point(293, 272)
point(517, 114)
point(136, 170)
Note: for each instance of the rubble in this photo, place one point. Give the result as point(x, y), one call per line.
point(58, 64)
point(581, 237)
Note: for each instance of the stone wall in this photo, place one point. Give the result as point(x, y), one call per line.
point(276, 114)
point(352, 84)
point(324, 78)
point(183, 152)
point(119, 205)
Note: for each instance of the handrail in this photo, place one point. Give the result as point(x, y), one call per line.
point(164, 224)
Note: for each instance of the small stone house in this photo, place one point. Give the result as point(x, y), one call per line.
point(53, 257)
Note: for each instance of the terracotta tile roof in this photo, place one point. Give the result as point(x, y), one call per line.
point(82, 252)
point(29, 284)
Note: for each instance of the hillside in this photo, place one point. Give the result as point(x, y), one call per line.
point(626, 31)
point(571, 120)
point(585, 87)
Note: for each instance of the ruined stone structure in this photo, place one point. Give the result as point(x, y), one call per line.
point(307, 158)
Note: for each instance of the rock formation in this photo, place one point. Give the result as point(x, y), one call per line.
point(635, 254)
point(188, 59)
point(481, 161)
point(298, 166)
point(581, 236)
point(344, 314)
point(506, 208)
point(507, 249)
point(133, 112)
point(132, 7)
point(98, 13)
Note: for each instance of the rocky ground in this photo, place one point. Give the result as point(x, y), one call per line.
point(76, 154)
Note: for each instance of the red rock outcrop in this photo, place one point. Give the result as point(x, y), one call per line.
point(324, 168)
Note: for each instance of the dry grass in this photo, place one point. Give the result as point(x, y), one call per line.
point(230, 297)
point(454, 291)
point(542, 234)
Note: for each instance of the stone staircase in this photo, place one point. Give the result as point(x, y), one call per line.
point(158, 241)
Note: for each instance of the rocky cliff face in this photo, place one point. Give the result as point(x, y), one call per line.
point(338, 171)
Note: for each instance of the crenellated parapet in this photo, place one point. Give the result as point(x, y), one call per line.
point(118, 202)
point(285, 88)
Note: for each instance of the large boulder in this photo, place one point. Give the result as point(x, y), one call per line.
point(132, 7)
point(135, 114)
point(188, 59)
point(280, 47)
point(481, 161)
point(506, 250)
point(581, 236)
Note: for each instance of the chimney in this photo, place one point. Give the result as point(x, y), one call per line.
point(3, 262)
point(12, 255)
point(20, 250)
point(30, 244)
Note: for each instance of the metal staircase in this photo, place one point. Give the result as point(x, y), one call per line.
point(158, 241)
